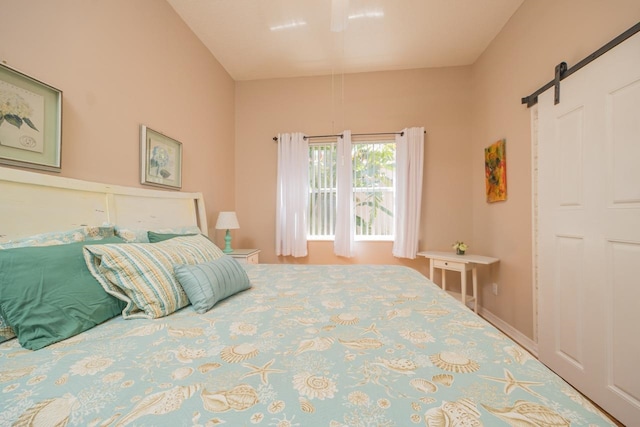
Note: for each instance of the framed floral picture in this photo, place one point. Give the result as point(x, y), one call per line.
point(161, 159)
point(30, 122)
point(495, 171)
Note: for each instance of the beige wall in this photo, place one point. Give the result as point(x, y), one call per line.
point(372, 102)
point(120, 64)
point(521, 59)
point(463, 110)
point(123, 63)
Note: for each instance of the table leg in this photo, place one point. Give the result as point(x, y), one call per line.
point(463, 286)
point(474, 273)
point(444, 279)
point(431, 269)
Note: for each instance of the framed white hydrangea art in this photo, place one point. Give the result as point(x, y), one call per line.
point(161, 159)
point(30, 121)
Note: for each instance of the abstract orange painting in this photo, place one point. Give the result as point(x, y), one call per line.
point(495, 171)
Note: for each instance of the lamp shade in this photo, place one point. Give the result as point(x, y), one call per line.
point(227, 221)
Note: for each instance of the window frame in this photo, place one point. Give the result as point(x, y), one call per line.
point(357, 237)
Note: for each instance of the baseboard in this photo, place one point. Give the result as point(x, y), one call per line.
point(526, 342)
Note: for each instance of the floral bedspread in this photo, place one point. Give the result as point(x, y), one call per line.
point(305, 346)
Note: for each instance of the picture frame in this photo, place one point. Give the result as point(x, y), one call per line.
point(161, 159)
point(30, 122)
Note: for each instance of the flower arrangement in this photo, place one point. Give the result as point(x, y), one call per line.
point(159, 159)
point(460, 247)
point(15, 110)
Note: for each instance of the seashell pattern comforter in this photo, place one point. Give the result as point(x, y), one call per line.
point(305, 346)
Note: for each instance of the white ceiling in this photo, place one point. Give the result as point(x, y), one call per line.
point(259, 39)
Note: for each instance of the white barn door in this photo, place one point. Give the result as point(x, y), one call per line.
point(588, 250)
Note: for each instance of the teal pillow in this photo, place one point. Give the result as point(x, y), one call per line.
point(160, 237)
point(47, 293)
point(84, 233)
point(137, 235)
point(207, 283)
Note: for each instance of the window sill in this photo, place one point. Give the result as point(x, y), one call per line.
point(357, 239)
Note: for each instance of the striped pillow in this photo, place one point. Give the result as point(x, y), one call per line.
point(6, 331)
point(142, 275)
point(210, 282)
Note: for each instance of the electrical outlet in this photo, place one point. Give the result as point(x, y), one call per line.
point(494, 288)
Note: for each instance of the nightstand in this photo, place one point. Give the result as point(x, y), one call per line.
point(246, 256)
point(461, 263)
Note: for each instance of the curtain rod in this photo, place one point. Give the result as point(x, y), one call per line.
point(275, 138)
point(562, 72)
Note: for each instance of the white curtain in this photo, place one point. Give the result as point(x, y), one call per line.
point(409, 166)
point(343, 242)
point(293, 192)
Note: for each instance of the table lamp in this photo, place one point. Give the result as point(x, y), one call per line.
point(227, 221)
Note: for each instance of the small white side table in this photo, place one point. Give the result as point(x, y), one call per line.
point(246, 256)
point(462, 263)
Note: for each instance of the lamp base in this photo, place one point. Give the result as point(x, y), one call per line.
point(227, 243)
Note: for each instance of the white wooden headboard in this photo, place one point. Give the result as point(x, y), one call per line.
point(32, 203)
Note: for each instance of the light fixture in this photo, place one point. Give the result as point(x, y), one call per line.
point(375, 13)
point(227, 221)
point(339, 15)
point(288, 25)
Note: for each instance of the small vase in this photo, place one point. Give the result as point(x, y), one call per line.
point(459, 252)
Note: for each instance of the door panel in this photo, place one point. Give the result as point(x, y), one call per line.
point(569, 129)
point(624, 120)
point(624, 375)
point(588, 243)
point(569, 299)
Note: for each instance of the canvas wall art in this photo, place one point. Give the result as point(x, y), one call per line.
point(495, 171)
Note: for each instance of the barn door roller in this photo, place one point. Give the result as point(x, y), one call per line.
point(561, 68)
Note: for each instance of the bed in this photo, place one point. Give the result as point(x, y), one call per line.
point(303, 345)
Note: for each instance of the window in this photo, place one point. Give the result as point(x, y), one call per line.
point(373, 189)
